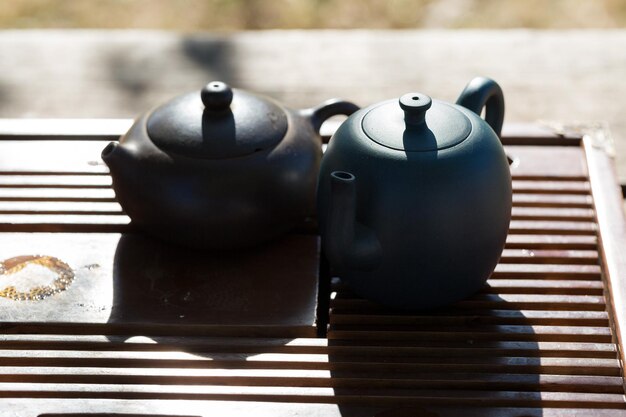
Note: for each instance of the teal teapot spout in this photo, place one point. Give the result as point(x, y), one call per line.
point(352, 245)
point(415, 196)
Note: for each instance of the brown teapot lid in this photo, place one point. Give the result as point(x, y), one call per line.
point(217, 123)
point(416, 123)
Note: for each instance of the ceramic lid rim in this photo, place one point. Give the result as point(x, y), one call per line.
point(184, 127)
point(395, 126)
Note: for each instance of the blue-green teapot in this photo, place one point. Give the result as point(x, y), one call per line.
point(414, 197)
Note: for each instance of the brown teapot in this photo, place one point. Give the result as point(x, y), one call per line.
point(220, 168)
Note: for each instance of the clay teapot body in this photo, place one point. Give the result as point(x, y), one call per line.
point(414, 198)
point(221, 168)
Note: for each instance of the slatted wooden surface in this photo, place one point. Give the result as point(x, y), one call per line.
point(537, 341)
point(538, 335)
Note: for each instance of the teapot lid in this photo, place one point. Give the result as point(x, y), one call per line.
point(217, 123)
point(415, 123)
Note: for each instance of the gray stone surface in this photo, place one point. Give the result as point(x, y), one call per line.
point(570, 76)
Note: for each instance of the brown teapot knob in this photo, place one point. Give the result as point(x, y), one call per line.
point(216, 96)
point(415, 106)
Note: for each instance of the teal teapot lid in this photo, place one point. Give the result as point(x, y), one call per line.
point(415, 123)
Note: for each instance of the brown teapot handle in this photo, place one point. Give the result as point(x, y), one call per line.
point(485, 92)
point(319, 114)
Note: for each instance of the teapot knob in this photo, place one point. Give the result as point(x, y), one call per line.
point(415, 106)
point(216, 96)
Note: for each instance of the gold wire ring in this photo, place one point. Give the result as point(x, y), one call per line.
point(65, 276)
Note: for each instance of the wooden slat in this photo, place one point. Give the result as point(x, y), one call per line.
point(547, 271)
point(551, 187)
point(158, 329)
point(484, 329)
point(69, 407)
point(529, 176)
point(315, 395)
point(59, 207)
point(539, 256)
point(35, 341)
point(60, 194)
point(487, 317)
point(562, 242)
point(494, 332)
point(551, 213)
point(55, 181)
point(470, 348)
point(281, 361)
point(497, 302)
point(307, 394)
point(312, 378)
point(549, 227)
point(52, 157)
point(535, 302)
point(251, 346)
point(547, 163)
point(79, 407)
point(64, 223)
point(42, 220)
point(543, 286)
point(552, 200)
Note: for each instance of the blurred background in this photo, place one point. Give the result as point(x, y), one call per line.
point(559, 62)
point(232, 15)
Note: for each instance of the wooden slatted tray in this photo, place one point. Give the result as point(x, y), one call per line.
point(542, 339)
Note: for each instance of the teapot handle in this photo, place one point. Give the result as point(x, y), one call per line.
point(484, 92)
point(319, 114)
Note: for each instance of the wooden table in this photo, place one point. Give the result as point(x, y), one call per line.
point(273, 334)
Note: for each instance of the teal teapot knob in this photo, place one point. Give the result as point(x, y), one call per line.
point(415, 106)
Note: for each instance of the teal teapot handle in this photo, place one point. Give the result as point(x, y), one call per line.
point(484, 92)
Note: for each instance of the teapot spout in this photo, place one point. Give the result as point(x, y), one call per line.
point(110, 153)
point(118, 158)
point(348, 244)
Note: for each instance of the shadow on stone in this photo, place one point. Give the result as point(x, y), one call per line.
point(214, 56)
point(146, 74)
